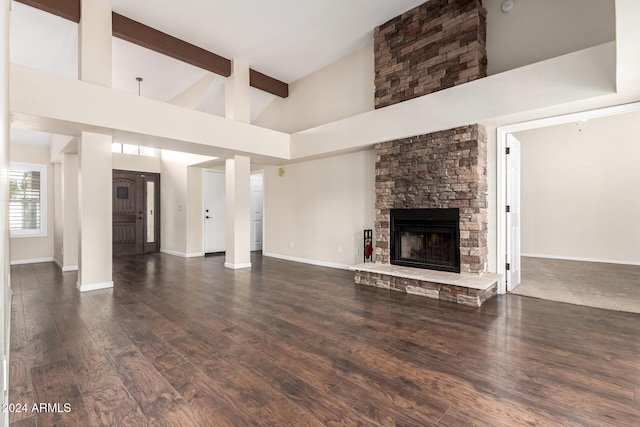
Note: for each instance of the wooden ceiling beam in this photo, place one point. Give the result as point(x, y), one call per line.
point(150, 38)
point(142, 35)
point(268, 84)
point(67, 9)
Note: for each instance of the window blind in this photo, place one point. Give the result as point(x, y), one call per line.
point(24, 200)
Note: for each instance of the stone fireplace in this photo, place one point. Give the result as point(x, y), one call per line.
point(441, 170)
point(432, 191)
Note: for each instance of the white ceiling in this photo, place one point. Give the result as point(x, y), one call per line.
point(43, 41)
point(31, 138)
point(618, 126)
point(286, 39)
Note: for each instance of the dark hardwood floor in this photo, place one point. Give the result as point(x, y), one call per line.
point(186, 342)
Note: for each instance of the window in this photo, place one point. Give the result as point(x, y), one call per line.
point(136, 150)
point(27, 200)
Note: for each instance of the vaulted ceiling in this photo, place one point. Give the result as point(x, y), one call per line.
point(285, 39)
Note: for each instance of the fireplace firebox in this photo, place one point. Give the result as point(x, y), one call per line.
point(426, 238)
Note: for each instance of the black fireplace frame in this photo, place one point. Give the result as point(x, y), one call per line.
point(430, 219)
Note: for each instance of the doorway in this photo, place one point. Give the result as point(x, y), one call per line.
point(256, 180)
point(582, 179)
point(136, 212)
point(214, 211)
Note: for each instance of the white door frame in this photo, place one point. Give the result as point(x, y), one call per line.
point(261, 173)
point(204, 235)
point(513, 218)
point(501, 178)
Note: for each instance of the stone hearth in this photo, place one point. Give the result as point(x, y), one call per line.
point(464, 289)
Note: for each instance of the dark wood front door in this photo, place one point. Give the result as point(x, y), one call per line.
point(136, 212)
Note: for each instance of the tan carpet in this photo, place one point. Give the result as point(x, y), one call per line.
point(594, 284)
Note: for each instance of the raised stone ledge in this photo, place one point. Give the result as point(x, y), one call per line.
point(467, 289)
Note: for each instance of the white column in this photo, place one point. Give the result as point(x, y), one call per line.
point(94, 154)
point(238, 169)
point(94, 43)
point(5, 291)
point(95, 212)
point(70, 211)
point(236, 93)
point(238, 206)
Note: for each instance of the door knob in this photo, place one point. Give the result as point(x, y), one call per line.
point(207, 217)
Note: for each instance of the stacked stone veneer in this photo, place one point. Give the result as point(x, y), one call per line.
point(446, 169)
point(451, 293)
point(431, 47)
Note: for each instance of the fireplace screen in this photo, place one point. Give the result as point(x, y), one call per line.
point(426, 238)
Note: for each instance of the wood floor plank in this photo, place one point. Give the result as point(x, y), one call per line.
point(460, 415)
point(25, 422)
point(92, 368)
point(113, 406)
point(54, 384)
point(587, 401)
point(44, 344)
point(182, 342)
point(213, 404)
point(20, 384)
point(158, 401)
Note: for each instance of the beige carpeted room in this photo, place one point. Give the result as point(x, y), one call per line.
point(579, 207)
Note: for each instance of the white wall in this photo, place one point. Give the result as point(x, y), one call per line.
point(35, 248)
point(181, 203)
point(320, 206)
point(194, 211)
point(536, 30)
point(492, 213)
point(58, 223)
point(173, 202)
point(580, 190)
point(70, 214)
point(129, 162)
point(5, 273)
point(341, 89)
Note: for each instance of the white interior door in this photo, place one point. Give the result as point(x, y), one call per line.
point(256, 211)
point(214, 215)
point(513, 214)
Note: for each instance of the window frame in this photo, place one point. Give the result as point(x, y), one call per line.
point(43, 169)
point(119, 148)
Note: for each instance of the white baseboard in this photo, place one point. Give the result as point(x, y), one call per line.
point(65, 268)
point(308, 261)
point(237, 266)
point(31, 261)
point(182, 254)
point(569, 258)
point(94, 286)
point(194, 255)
